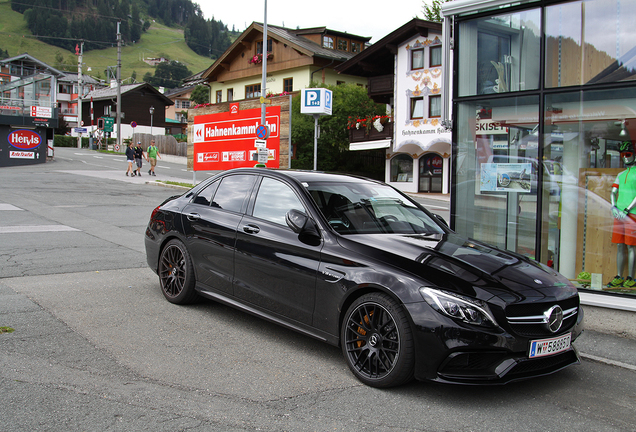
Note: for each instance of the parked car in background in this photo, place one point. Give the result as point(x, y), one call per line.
point(358, 264)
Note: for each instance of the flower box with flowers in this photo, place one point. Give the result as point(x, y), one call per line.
point(370, 128)
point(258, 58)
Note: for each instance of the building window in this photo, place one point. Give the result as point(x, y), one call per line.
point(230, 95)
point(252, 91)
point(402, 168)
point(340, 83)
point(288, 85)
point(500, 54)
point(435, 59)
point(355, 47)
point(219, 96)
point(343, 45)
point(259, 46)
point(327, 42)
point(185, 104)
point(435, 106)
point(65, 88)
point(417, 108)
point(417, 59)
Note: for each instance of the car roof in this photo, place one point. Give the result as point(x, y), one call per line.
point(306, 176)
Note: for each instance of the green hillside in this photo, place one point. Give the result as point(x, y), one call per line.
point(158, 41)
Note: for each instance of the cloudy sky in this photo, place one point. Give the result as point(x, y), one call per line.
point(374, 18)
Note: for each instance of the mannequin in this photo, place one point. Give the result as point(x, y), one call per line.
point(623, 199)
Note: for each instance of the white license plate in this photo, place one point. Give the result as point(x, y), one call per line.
point(546, 347)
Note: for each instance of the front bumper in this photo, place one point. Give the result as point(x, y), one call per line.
point(451, 352)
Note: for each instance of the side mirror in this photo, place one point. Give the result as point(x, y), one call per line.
point(304, 226)
point(441, 219)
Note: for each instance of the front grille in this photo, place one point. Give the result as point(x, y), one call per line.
point(530, 320)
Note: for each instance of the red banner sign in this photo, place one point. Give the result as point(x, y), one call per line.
point(226, 140)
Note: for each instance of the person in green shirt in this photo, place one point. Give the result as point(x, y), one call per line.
point(623, 198)
point(153, 153)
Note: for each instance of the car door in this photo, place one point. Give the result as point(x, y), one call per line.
point(210, 222)
point(274, 270)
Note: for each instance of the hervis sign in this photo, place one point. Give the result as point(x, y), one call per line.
point(225, 140)
point(24, 139)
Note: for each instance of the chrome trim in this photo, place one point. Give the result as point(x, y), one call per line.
point(540, 319)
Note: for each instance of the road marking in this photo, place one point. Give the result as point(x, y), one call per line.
point(9, 207)
point(608, 361)
point(35, 228)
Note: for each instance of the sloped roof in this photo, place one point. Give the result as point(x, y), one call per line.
point(378, 59)
point(109, 93)
point(29, 57)
point(292, 38)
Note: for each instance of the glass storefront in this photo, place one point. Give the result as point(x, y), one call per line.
point(540, 154)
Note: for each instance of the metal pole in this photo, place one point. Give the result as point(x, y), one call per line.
point(316, 116)
point(264, 73)
point(119, 86)
point(79, 95)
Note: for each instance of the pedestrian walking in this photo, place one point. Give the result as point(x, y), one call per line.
point(153, 153)
point(130, 158)
point(139, 155)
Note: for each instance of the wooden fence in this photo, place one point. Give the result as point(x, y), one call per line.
point(166, 144)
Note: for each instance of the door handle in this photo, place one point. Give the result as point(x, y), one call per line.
point(251, 229)
point(193, 216)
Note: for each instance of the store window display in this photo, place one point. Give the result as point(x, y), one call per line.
point(624, 209)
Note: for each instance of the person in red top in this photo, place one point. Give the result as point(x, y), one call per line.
point(623, 198)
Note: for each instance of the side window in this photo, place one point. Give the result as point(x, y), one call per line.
point(274, 200)
point(204, 197)
point(232, 192)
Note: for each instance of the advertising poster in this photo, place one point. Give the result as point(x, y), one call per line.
point(227, 140)
point(506, 177)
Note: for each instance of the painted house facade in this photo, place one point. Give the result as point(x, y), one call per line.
point(404, 70)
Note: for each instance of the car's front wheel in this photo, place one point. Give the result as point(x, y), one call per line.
point(377, 341)
point(176, 273)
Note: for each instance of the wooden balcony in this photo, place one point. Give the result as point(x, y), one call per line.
point(361, 135)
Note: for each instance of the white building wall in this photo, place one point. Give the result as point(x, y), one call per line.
point(420, 136)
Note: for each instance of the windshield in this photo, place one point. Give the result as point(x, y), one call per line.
point(363, 208)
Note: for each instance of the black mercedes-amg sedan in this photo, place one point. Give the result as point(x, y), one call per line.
point(358, 264)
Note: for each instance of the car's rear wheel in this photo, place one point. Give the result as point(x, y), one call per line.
point(176, 273)
point(377, 341)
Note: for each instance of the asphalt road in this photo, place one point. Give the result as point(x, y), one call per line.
point(97, 348)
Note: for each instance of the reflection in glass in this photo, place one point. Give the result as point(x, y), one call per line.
point(497, 173)
point(583, 136)
point(499, 54)
point(590, 42)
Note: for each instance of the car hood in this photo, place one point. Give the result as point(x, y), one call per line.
point(464, 265)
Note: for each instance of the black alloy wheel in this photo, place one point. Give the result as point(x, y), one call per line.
point(176, 273)
point(377, 341)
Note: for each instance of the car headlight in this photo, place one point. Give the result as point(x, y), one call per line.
point(468, 310)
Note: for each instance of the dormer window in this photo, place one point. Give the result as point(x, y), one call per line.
point(327, 42)
point(343, 45)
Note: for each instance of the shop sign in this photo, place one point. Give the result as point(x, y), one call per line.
point(224, 140)
point(39, 111)
point(24, 139)
point(21, 155)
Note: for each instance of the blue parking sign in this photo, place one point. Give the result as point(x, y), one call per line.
point(316, 101)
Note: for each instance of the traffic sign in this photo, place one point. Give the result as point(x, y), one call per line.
point(264, 100)
point(263, 155)
point(80, 130)
point(133, 124)
point(262, 132)
point(260, 143)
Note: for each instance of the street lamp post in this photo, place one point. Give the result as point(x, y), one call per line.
point(152, 111)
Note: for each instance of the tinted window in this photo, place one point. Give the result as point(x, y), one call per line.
point(205, 196)
point(274, 200)
point(232, 192)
